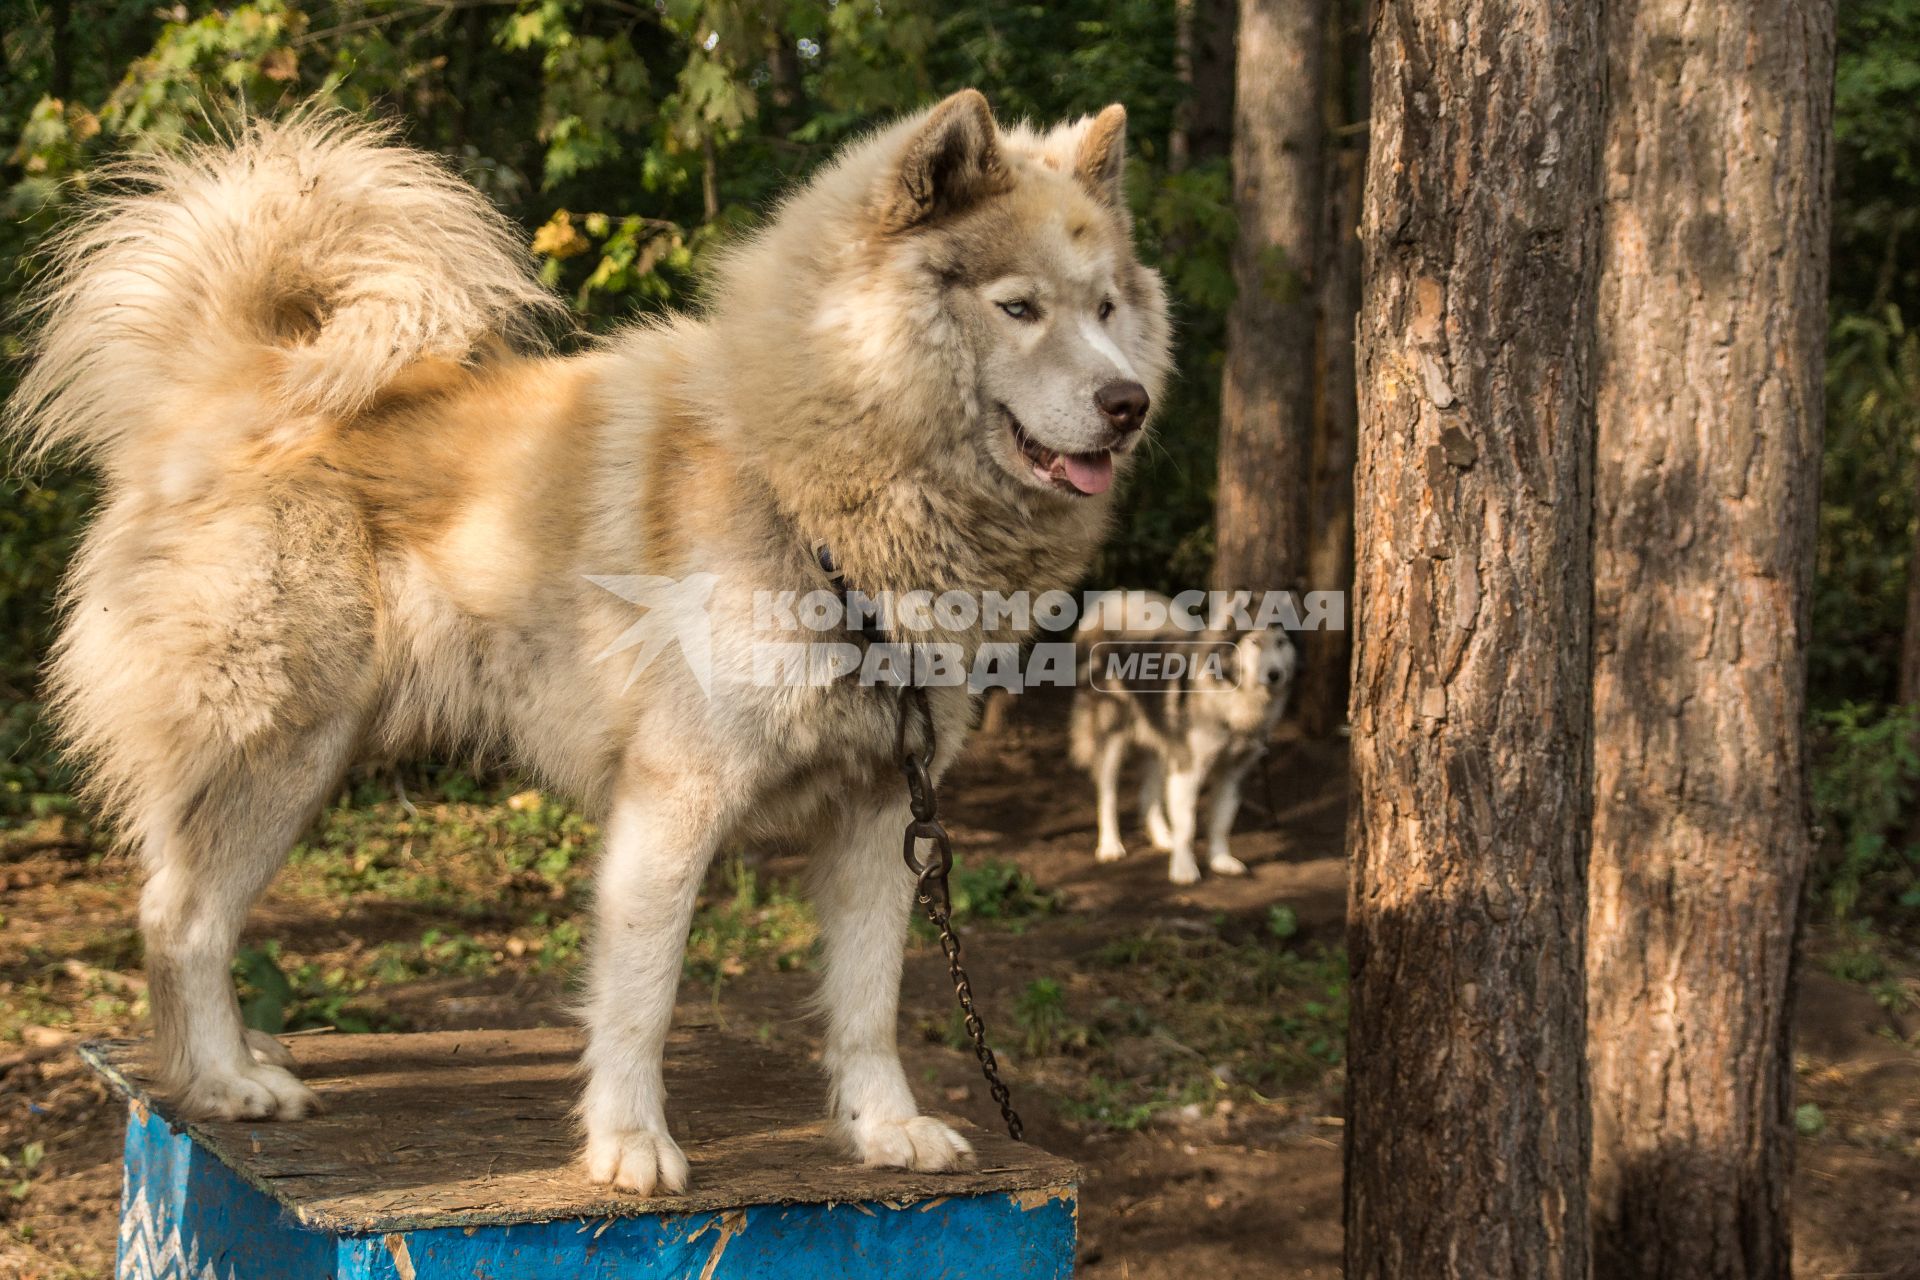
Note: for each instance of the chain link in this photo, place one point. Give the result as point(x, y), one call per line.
point(932, 894)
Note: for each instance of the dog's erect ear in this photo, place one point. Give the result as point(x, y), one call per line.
point(951, 162)
point(1102, 161)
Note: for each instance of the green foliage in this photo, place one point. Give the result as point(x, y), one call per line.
point(1867, 503)
point(1876, 156)
point(1867, 760)
point(1041, 1015)
point(439, 952)
point(1867, 508)
point(39, 520)
point(311, 996)
point(17, 1170)
point(995, 890)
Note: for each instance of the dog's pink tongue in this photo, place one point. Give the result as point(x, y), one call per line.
point(1089, 472)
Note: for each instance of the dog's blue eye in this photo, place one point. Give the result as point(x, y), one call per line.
point(1021, 310)
point(1106, 309)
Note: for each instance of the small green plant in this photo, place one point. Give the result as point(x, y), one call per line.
point(275, 1000)
point(1041, 1014)
point(23, 1163)
point(1856, 954)
point(1282, 923)
point(995, 890)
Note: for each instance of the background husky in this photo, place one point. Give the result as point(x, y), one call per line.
point(1209, 728)
point(342, 515)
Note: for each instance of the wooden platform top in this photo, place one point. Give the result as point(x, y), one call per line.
point(474, 1128)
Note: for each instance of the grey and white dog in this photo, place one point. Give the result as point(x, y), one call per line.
point(1200, 705)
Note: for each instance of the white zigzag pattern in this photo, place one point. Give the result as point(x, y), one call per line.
point(147, 1252)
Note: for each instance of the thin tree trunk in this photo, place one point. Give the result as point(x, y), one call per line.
point(1203, 63)
point(1909, 688)
point(788, 88)
point(466, 57)
point(1323, 692)
point(1266, 400)
point(60, 50)
point(709, 177)
point(1712, 322)
point(1467, 1109)
point(1180, 137)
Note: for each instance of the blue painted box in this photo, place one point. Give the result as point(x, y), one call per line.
point(451, 1155)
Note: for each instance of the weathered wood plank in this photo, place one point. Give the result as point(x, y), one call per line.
point(474, 1128)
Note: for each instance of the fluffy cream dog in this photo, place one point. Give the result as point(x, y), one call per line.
point(348, 510)
point(1206, 725)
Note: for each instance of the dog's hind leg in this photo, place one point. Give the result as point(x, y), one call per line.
point(1106, 783)
point(863, 893)
point(207, 862)
point(1221, 813)
point(1153, 802)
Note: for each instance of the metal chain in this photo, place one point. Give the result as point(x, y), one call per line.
point(932, 893)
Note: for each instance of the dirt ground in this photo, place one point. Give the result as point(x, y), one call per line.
point(1206, 1122)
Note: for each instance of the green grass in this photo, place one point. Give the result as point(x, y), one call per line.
point(1199, 1018)
point(752, 926)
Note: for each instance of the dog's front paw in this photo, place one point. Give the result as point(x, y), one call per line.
point(260, 1091)
point(1104, 852)
point(1184, 871)
point(1225, 864)
point(920, 1143)
point(638, 1160)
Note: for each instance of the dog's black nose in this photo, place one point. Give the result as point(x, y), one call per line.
point(1124, 404)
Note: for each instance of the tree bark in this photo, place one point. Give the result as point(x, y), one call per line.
point(1266, 400)
point(1467, 1109)
point(1712, 323)
point(1323, 691)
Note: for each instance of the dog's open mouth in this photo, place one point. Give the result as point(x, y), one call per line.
point(1082, 473)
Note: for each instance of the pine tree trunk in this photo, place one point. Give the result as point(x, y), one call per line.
point(1323, 687)
point(1712, 322)
point(1467, 1109)
point(1327, 653)
point(1266, 395)
point(1203, 61)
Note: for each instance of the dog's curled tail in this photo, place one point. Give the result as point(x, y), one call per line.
point(300, 267)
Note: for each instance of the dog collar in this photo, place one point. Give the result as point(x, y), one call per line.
point(870, 630)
